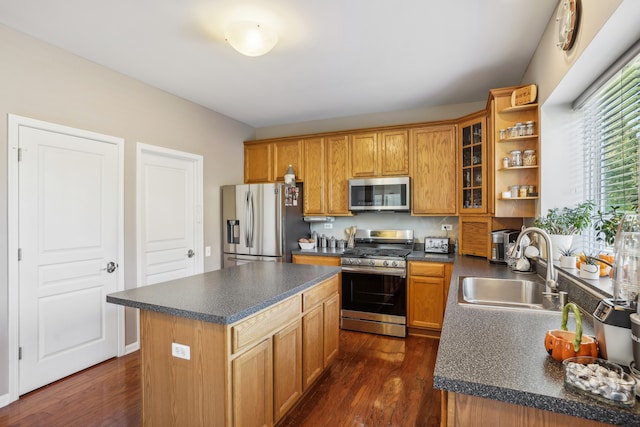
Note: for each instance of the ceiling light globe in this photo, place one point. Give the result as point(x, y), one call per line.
point(251, 38)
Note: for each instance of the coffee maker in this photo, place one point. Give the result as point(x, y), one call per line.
point(500, 239)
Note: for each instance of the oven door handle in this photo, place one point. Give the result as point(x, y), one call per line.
point(380, 271)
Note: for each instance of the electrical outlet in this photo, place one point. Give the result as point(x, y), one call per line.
point(447, 227)
point(328, 226)
point(207, 251)
point(181, 351)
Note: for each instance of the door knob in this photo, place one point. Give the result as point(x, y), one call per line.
point(191, 254)
point(111, 267)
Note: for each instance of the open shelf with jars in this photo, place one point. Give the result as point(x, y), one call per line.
point(515, 133)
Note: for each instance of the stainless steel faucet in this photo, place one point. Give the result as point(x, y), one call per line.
point(552, 277)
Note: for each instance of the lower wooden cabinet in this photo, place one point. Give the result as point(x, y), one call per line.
point(287, 368)
point(428, 287)
point(249, 373)
point(320, 337)
point(252, 379)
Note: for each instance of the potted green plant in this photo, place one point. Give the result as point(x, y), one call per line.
point(590, 269)
point(606, 224)
point(563, 223)
point(568, 258)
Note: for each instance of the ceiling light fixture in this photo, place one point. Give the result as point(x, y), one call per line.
point(251, 38)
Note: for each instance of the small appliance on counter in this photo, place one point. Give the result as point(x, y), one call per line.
point(613, 331)
point(500, 239)
point(437, 245)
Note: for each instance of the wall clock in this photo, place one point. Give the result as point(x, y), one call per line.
point(567, 19)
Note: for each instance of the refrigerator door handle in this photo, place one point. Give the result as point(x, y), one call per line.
point(250, 223)
point(246, 220)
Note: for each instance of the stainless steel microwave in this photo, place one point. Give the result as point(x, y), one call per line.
point(380, 194)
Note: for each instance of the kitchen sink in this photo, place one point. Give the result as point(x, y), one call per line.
point(505, 293)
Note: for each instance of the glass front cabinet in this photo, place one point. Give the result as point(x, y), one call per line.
point(473, 161)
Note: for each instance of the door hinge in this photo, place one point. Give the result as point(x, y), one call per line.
point(19, 154)
point(19, 353)
point(19, 254)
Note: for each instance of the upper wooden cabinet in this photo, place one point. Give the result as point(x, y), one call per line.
point(376, 154)
point(337, 174)
point(269, 161)
point(326, 161)
point(473, 160)
point(433, 170)
point(287, 153)
point(258, 162)
point(314, 197)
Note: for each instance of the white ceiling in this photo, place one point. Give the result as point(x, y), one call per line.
point(335, 58)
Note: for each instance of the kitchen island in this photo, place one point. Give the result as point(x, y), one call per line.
point(494, 367)
point(237, 346)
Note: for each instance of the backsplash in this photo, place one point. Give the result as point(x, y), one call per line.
point(421, 225)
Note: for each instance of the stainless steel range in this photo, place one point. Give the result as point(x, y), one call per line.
point(374, 282)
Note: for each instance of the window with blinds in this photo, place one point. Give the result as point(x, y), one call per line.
point(610, 119)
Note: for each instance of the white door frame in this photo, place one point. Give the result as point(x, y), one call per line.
point(198, 211)
point(14, 124)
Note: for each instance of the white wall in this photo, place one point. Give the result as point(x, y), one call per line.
point(607, 29)
point(40, 81)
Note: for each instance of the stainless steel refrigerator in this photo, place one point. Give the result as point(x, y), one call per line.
point(261, 222)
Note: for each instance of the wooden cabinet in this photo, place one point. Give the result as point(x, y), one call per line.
point(503, 117)
point(269, 161)
point(475, 236)
point(320, 328)
point(472, 158)
point(364, 154)
point(258, 162)
point(314, 197)
point(248, 373)
point(285, 153)
point(316, 260)
point(433, 170)
point(428, 286)
point(337, 174)
point(375, 154)
point(326, 162)
point(252, 379)
point(287, 368)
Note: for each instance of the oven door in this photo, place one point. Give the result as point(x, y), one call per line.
point(374, 303)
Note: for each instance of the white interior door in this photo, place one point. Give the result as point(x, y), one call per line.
point(170, 219)
point(69, 202)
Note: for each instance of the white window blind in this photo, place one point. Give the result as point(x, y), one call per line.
point(611, 132)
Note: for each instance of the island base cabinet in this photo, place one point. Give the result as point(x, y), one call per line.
point(313, 358)
point(464, 410)
point(177, 391)
point(287, 369)
point(252, 382)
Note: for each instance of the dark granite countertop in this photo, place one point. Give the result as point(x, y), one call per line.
point(499, 354)
point(319, 252)
point(228, 295)
point(416, 255)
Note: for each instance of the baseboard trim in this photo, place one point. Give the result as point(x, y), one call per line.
point(4, 400)
point(132, 347)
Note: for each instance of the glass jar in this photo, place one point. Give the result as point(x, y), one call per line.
point(529, 158)
point(521, 129)
point(531, 191)
point(513, 132)
point(503, 133)
point(516, 158)
point(506, 162)
point(514, 191)
point(523, 191)
point(529, 127)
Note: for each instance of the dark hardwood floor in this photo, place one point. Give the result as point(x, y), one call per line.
point(376, 381)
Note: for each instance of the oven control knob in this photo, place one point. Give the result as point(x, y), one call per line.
point(394, 264)
point(372, 262)
point(386, 263)
point(358, 261)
